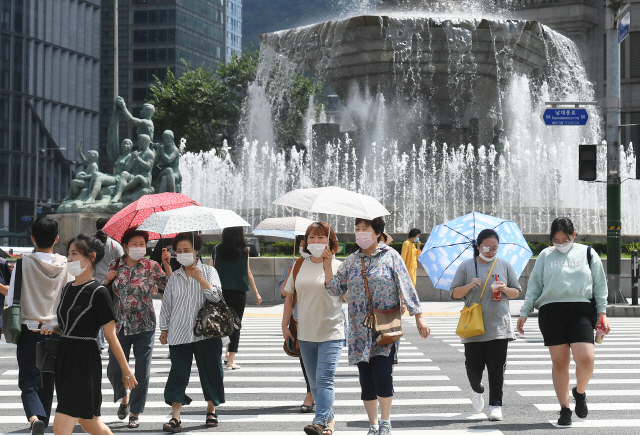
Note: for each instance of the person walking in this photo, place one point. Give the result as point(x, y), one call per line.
point(473, 283)
point(410, 253)
point(5, 280)
point(308, 405)
point(184, 295)
point(134, 281)
point(43, 276)
point(388, 282)
point(231, 260)
point(320, 323)
point(566, 282)
point(112, 250)
point(84, 307)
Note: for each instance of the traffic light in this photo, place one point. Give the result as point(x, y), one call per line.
point(588, 165)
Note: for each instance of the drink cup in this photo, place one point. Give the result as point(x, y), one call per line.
point(497, 294)
point(599, 334)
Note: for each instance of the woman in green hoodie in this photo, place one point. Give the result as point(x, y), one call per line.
point(561, 287)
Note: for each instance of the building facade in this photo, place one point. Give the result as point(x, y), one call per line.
point(234, 28)
point(155, 36)
point(49, 101)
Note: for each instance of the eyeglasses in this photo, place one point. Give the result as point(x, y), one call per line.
point(486, 249)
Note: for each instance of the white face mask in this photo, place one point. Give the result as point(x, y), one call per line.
point(186, 259)
point(316, 249)
point(303, 254)
point(487, 259)
point(75, 268)
point(564, 247)
point(137, 252)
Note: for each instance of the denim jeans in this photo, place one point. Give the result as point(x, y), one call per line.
point(320, 363)
point(142, 348)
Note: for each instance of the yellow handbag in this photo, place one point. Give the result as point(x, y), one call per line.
point(471, 323)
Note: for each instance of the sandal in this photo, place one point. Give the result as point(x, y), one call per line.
point(174, 426)
point(233, 366)
point(314, 429)
point(307, 408)
point(211, 422)
point(134, 422)
point(330, 427)
point(123, 411)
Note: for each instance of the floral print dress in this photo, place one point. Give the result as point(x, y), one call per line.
point(388, 278)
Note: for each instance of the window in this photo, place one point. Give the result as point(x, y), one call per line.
point(140, 36)
point(4, 121)
point(5, 62)
point(140, 75)
point(140, 94)
point(171, 35)
point(17, 123)
point(5, 14)
point(17, 65)
point(16, 175)
point(18, 16)
point(152, 55)
point(157, 36)
point(140, 17)
point(4, 175)
point(634, 58)
point(139, 55)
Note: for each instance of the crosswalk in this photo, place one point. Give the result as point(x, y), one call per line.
point(614, 388)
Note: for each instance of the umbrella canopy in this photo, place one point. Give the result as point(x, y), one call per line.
point(192, 218)
point(451, 243)
point(285, 227)
point(135, 213)
point(333, 200)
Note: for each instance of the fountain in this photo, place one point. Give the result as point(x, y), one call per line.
point(444, 113)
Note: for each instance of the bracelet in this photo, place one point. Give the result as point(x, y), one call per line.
point(127, 376)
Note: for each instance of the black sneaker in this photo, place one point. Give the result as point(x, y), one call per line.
point(565, 417)
point(581, 403)
point(37, 427)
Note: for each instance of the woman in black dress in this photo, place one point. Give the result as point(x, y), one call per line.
point(85, 306)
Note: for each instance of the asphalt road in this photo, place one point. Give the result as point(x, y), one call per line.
point(431, 389)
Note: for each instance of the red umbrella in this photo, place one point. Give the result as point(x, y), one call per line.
point(135, 213)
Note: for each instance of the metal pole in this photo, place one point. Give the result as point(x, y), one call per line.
point(115, 50)
point(634, 277)
point(35, 190)
point(614, 223)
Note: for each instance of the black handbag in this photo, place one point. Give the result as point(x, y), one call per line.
point(46, 352)
point(216, 319)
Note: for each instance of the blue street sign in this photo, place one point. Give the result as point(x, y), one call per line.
point(565, 117)
point(623, 27)
point(39, 210)
point(26, 218)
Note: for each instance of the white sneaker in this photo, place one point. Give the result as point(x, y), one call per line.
point(496, 413)
point(477, 400)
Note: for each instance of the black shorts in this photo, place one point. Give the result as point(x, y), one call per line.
point(566, 323)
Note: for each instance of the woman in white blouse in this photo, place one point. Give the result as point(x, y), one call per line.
point(184, 296)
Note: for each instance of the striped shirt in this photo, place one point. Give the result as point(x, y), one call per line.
point(183, 298)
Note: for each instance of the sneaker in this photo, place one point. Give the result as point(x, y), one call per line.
point(496, 413)
point(373, 431)
point(565, 417)
point(581, 403)
point(37, 427)
point(385, 428)
point(477, 400)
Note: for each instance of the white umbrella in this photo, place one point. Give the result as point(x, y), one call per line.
point(192, 218)
point(285, 227)
point(333, 200)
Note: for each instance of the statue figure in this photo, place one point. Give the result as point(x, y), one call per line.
point(168, 178)
point(121, 176)
point(82, 179)
point(143, 160)
point(144, 125)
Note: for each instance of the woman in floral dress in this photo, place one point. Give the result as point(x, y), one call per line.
point(134, 280)
point(389, 283)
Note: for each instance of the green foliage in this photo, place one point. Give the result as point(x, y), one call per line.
point(629, 247)
point(537, 248)
point(207, 248)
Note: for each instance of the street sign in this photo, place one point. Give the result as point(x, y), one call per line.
point(623, 27)
point(565, 117)
point(26, 218)
point(39, 210)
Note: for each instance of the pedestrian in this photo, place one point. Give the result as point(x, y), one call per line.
point(388, 282)
point(320, 322)
point(84, 306)
point(472, 283)
point(134, 280)
point(563, 287)
point(308, 405)
point(43, 276)
point(112, 250)
point(5, 279)
point(185, 294)
point(231, 260)
point(410, 253)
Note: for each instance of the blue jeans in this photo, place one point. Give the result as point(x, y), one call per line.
point(320, 363)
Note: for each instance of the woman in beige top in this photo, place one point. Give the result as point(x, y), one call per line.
point(320, 324)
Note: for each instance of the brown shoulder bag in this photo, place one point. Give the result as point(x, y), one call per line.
point(292, 348)
point(386, 324)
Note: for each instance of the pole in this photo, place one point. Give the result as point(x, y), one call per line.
point(634, 277)
point(614, 223)
point(35, 194)
point(116, 85)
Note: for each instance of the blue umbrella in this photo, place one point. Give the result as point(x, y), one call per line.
point(451, 243)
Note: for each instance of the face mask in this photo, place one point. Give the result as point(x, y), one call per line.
point(303, 254)
point(316, 249)
point(487, 259)
point(364, 239)
point(75, 268)
point(417, 239)
point(564, 247)
point(137, 252)
point(186, 259)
